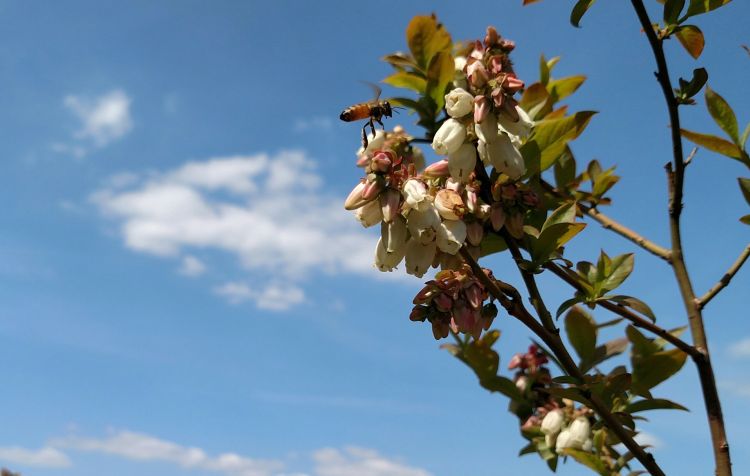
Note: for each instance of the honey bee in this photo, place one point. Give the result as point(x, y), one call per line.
point(374, 110)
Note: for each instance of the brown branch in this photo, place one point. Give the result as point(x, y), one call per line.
point(724, 281)
point(676, 178)
point(631, 316)
point(609, 224)
point(514, 306)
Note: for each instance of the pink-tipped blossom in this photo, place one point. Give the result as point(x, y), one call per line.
point(481, 108)
point(437, 169)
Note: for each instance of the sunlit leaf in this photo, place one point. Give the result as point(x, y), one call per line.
point(543, 70)
point(581, 331)
point(426, 37)
point(587, 459)
point(551, 136)
point(565, 169)
point(621, 266)
point(579, 10)
point(565, 213)
point(635, 304)
point(439, 74)
point(691, 38)
point(561, 88)
point(403, 79)
point(698, 7)
point(648, 372)
point(400, 61)
point(713, 143)
point(722, 114)
point(609, 350)
point(692, 87)
point(642, 345)
point(554, 237)
point(567, 304)
point(536, 101)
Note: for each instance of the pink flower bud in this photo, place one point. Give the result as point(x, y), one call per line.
point(496, 65)
point(474, 296)
point(515, 362)
point(472, 200)
point(443, 302)
point(355, 198)
point(437, 169)
point(497, 216)
point(498, 97)
point(373, 186)
point(491, 38)
point(449, 204)
point(440, 329)
point(514, 225)
point(481, 108)
point(419, 313)
point(380, 163)
point(474, 233)
point(390, 200)
point(478, 51)
point(512, 84)
point(477, 74)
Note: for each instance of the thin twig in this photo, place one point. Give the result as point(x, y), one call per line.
point(724, 281)
point(610, 224)
point(623, 311)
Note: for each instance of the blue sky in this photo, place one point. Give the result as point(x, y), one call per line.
point(183, 294)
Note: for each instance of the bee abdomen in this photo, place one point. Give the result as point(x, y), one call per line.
point(355, 113)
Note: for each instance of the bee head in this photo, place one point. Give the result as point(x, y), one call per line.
point(387, 110)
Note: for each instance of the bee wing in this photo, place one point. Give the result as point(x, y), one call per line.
point(376, 90)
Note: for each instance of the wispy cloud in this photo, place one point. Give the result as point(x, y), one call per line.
point(313, 123)
point(360, 462)
point(142, 447)
point(46, 457)
point(740, 349)
point(267, 211)
point(192, 266)
point(103, 119)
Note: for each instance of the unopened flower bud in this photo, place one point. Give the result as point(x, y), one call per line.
point(443, 302)
point(514, 225)
point(415, 194)
point(521, 127)
point(437, 169)
point(481, 108)
point(474, 296)
point(483, 211)
point(512, 84)
point(449, 204)
point(496, 65)
point(491, 38)
point(373, 186)
point(386, 261)
point(380, 163)
point(458, 103)
point(370, 214)
point(451, 235)
point(477, 74)
point(461, 163)
point(471, 199)
point(389, 203)
point(498, 97)
point(355, 198)
point(394, 234)
point(563, 441)
point(419, 313)
point(419, 257)
point(474, 233)
point(553, 422)
point(497, 216)
point(487, 130)
point(449, 137)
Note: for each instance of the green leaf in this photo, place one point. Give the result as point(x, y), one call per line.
point(745, 187)
point(590, 460)
point(565, 213)
point(609, 350)
point(426, 37)
point(400, 61)
point(551, 136)
point(722, 114)
point(672, 9)
point(482, 359)
point(543, 70)
point(713, 143)
point(745, 219)
point(569, 379)
point(502, 385)
point(565, 169)
point(654, 404)
point(633, 303)
point(691, 88)
point(648, 372)
point(691, 38)
point(567, 304)
point(621, 268)
point(554, 237)
point(402, 79)
point(439, 75)
point(570, 392)
point(698, 7)
point(536, 101)
point(579, 10)
point(581, 331)
point(561, 88)
point(743, 139)
point(492, 243)
point(642, 345)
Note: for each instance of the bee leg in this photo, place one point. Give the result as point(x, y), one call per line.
point(372, 126)
point(380, 122)
point(364, 136)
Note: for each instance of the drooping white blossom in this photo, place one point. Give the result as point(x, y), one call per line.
point(449, 137)
point(459, 102)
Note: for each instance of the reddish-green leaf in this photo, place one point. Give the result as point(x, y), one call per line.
point(426, 37)
point(400, 61)
point(580, 8)
point(722, 113)
point(713, 143)
point(691, 38)
point(581, 331)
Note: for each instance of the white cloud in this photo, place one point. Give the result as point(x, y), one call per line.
point(740, 349)
point(192, 266)
point(142, 447)
point(313, 123)
point(360, 462)
point(741, 389)
point(644, 438)
point(103, 119)
point(268, 212)
point(46, 457)
point(274, 297)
